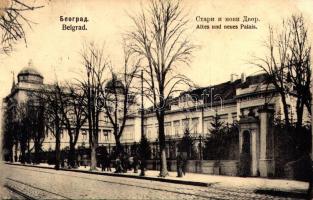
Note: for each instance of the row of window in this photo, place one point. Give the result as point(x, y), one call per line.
point(174, 128)
point(107, 135)
point(178, 127)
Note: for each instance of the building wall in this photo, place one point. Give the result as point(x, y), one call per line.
point(186, 113)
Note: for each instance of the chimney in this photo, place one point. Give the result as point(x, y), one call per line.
point(233, 77)
point(243, 77)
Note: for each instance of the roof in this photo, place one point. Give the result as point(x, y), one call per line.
point(30, 70)
point(115, 84)
point(226, 90)
point(256, 79)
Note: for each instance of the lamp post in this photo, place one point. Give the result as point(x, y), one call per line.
point(157, 148)
point(170, 148)
point(200, 137)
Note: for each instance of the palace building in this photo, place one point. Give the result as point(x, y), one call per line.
point(248, 101)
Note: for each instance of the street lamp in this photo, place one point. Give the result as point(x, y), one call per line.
point(200, 138)
point(157, 148)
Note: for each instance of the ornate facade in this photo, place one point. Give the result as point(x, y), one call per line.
point(239, 100)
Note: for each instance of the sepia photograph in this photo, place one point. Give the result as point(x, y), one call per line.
point(156, 99)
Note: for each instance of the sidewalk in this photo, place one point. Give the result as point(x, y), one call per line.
point(205, 180)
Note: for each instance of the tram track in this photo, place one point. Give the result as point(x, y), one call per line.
point(177, 190)
point(15, 186)
point(111, 182)
point(18, 194)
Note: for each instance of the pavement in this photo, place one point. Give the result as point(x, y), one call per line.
point(24, 182)
point(276, 187)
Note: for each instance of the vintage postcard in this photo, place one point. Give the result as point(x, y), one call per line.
point(156, 99)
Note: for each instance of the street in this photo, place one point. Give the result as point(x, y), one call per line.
point(34, 183)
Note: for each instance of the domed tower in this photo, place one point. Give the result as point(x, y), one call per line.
point(115, 84)
point(30, 75)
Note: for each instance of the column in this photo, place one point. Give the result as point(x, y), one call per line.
point(266, 161)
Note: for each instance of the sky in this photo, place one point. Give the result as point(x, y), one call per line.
point(56, 53)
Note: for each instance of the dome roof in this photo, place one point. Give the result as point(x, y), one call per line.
point(29, 74)
point(114, 83)
point(30, 70)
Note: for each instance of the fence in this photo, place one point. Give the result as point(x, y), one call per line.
point(225, 167)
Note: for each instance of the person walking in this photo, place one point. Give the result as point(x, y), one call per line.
point(78, 160)
point(108, 163)
point(184, 164)
point(118, 165)
point(124, 162)
point(103, 162)
point(135, 163)
point(179, 162)
point(142, 164)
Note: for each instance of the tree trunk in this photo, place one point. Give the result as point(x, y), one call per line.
point(163, 167)
point(72, 155)
point(57, 150)
point(119, 147)
point(93, 146)
point(28, 151)
point(285, 107)
point(11, 153)
point(23, 151)
point(93, 161)
point(37, 152)
point(299, 109)
point(15, 152)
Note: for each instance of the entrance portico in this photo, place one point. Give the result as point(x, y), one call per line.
point(256, 144)
point(249, 145)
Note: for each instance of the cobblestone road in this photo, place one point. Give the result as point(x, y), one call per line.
point(35, 183)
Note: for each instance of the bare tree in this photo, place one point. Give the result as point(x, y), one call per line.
point(288, 66)
point(9, 134)
point(160, 38)
point(51, 96)
point(275, 63)
point(73, 110)
point(12, 22)
point(118, 96)
point(36, 124)
point(22, 128)
point(299, 68)
point(94, 66)
point(24, 124)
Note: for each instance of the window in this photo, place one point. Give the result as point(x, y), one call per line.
point(99, 134)
point(128, 133)
point(167, 128)
point(84, 134)
point(194, 125)
point(176, 127)
point(148, 131)
point(207, 125)
point(145, 129)
point(106, 135)
point(224, 117)
point(185, 124)
point(234, 117)
point(157, 128)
